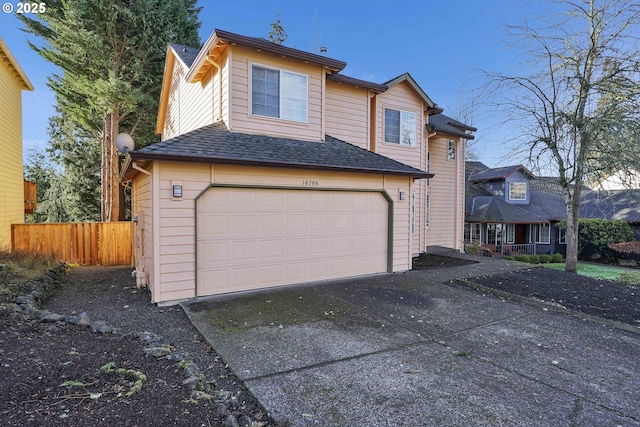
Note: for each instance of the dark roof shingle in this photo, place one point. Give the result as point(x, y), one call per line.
point(216, 144)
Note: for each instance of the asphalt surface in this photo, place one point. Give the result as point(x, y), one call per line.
point(413, 349)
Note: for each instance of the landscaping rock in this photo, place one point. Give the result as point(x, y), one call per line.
point(102, 327)
point(81, 319)
point(51, 317)
point(231, 421)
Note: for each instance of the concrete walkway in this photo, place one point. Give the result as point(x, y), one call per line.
point(407, 350)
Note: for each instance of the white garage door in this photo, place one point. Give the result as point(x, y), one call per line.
point(250, 238)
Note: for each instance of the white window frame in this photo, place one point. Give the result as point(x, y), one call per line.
point(475, 234)
point(539, 234)
point(401, 128)
point(511, 233)
point(281, 96)
point(451, 150)
point(511, 190)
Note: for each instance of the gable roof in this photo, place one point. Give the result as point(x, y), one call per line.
point(498, 173)
point(442, 124)
point(406, 77)
point(186, 54)
point(216, 144)
point(7, 58)
point(221, 36)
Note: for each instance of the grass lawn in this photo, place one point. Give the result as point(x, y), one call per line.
point(592, 270)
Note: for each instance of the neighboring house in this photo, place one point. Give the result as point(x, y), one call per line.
point(274, 168)
point(510, 211)
point(12, 186)
point(615, 204)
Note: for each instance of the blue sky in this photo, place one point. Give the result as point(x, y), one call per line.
point(441, 43)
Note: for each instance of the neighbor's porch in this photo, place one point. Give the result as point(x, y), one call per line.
point(507, 239)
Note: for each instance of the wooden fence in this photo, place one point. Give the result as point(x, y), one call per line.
point(88, 243)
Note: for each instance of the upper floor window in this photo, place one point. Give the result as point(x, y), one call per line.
point(278, 93)
point(451, 152)
point(517, 191)
point(399, 127)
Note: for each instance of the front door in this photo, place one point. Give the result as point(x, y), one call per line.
point(521, 233)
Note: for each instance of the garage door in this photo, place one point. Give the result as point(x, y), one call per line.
point(250, 238)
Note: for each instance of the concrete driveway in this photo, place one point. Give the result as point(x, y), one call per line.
point(408, 350)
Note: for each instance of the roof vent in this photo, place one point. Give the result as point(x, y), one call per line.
point(323, 50)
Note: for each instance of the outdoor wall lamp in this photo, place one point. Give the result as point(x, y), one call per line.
point(177, 191)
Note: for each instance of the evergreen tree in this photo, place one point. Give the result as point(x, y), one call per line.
point(277, 34)
point(111, 56)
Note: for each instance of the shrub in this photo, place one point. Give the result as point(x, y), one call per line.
point(630, 278)
point(545, 258)
point(595, 235)
point(556, 258)
point(535, 259)
point(472, 249)
point(523, 258)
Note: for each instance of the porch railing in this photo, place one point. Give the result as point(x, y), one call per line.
point(505, 249)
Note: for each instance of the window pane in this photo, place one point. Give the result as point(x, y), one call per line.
point(392, 126)
point(294, 96)
point(452, 150)
point(265, 95)
point(408, 126)
point(517, 191)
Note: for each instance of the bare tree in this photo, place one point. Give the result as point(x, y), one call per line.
point(578, 105)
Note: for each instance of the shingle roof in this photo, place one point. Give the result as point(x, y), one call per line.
point(498, 173)
point(493, 209)
point(445, 124)
point(616, 204)
point(186, 54)
point(216, 144)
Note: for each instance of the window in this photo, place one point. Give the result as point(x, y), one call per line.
point(428, 206)
point(399, 127)
point(413, 213)
point(277, 93)
point(494, 234)
point(451, 153)
point(472, 232)
point(543, 234)
point(511, 233)
point(562, 236)
point(517, 191)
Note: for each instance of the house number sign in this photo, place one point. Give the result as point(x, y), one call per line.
point(310, 182)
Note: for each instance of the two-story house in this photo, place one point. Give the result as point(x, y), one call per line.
point(274, 168)
point(12, 186)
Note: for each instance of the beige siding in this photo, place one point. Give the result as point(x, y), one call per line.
point(447, 195)
point(11, 174)
point(175, 260)
point(242, 120)
point(176, 229)
point(347, 113)
point(142, 209)
point(400, 97)
point(190, 105)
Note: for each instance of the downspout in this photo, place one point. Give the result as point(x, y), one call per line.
point(219, 68)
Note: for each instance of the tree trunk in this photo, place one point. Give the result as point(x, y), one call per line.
point(110, 166)
point(573, 211)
